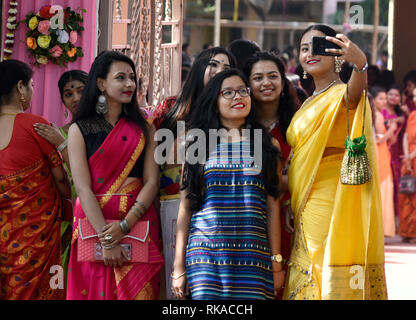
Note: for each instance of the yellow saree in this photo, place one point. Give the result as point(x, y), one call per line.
point(338, 249)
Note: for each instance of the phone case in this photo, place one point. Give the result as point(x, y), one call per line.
point(319, 44)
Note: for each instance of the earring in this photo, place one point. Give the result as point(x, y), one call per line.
point(101, 107)
point(338, 65)
point(305, 75)
point(66, 113)
point(22, 98)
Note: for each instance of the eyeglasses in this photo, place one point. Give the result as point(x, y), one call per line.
point(230, 93)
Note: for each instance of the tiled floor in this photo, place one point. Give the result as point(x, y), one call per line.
point(400, 269)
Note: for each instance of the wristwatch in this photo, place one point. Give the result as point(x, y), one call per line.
point(277, 258)
point(363, 69)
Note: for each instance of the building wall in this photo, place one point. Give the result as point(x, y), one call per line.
point(404, 44)
point(120, 30)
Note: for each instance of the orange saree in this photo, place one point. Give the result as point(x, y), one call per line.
point(407, 202)
point(30, 215)
point(386, 181)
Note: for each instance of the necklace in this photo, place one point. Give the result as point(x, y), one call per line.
point(315, 93)
point(9, 114)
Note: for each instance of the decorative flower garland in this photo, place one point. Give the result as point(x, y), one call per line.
point(53, 33)
point(11, 27)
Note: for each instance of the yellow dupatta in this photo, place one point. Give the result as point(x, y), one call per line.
point(353, 264)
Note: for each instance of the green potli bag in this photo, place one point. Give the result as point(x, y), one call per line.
point(355, 168)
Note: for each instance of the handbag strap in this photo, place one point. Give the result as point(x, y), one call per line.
point(348, 115)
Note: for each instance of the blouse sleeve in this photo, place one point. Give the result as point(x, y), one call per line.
point(52, 156)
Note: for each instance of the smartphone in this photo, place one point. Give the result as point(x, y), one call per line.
point(319, 44)
point(98, 251)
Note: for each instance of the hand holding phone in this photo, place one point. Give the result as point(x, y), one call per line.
point(319, 44)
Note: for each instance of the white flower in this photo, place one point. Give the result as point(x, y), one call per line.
point(14, 4)
point(11, 26)
point(63, 36)
point(7, 50)
point(11, 19)
point(10, 35)
point(13, 11)
point(9, 41)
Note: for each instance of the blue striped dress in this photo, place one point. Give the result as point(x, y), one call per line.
point(228, 254)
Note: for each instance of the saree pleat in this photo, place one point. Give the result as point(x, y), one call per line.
point(338, 250)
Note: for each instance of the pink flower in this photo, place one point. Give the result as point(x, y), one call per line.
point(44, 26)
point(73, 37)
point(56, 51)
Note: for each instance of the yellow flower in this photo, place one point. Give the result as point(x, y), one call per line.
point(33, 23)
point(44, 41)
point(31, 43)
point(42, 59)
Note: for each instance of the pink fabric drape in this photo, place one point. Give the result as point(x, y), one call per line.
point(95, 281)
point(46, 99)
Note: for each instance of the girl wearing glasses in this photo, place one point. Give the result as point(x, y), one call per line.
point(228, 229)
point(167, 116)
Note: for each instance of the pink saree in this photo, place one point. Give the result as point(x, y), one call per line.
point(93, 280)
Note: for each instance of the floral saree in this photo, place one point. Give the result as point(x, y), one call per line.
point(30, 216)
point(93, 280)
point(338, 250)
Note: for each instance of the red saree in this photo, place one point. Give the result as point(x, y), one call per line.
point(285, 245)
point(407, 202)
point(93, 280)
point(30, 215)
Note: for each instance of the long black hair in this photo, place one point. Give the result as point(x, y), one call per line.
point(12, 71)
point(242, 50)
point(289, 103)
point(206, 117)
point(100, 69)
point(193, 87)
point(69, 76)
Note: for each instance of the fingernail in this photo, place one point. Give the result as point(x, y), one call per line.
point(326, 50)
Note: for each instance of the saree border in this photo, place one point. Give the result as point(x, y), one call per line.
point(124, 174)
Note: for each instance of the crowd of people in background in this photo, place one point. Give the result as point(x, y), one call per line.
point(71, 196)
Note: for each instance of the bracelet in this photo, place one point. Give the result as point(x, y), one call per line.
point(138, 216)
point(62, 146)
point(124, 226)
point(141, 204)
point(177, 277)
point(362, 70)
